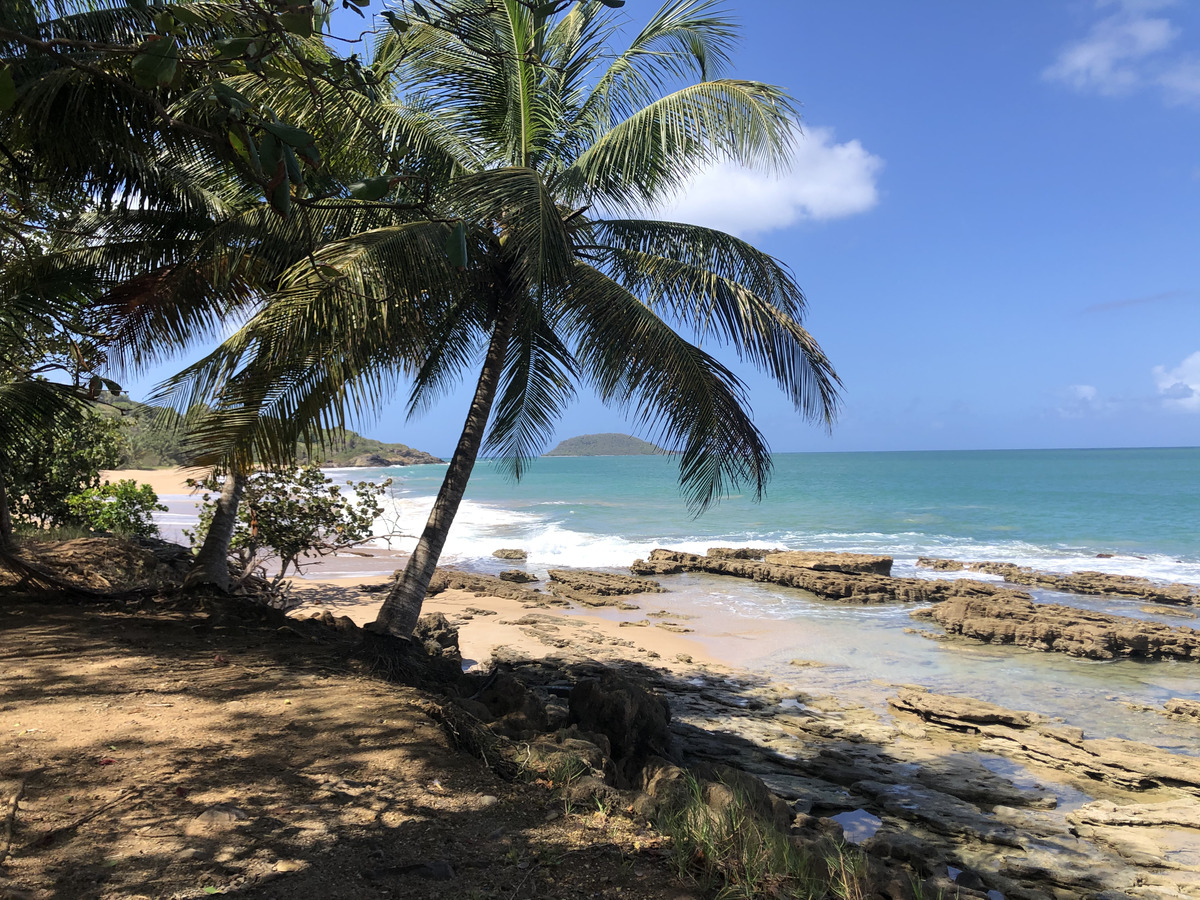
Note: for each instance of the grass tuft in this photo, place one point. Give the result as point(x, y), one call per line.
point(732, 852)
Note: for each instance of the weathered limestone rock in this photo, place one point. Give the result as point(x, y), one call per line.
point(945, 565)
point(1127, 764)
point(509, 554)
point(742, 552)
point(439, 637)
point(1077, 582)
point(599, 588)
point(848, 588)
point(1184, 813)
point(962, 713)
point(1010, 618)
point(846, 563)
point(480, 585)
point(634, 720)
point(517, 576)
point(1187, 710)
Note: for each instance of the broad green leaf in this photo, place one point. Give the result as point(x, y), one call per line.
point(371, 188)
point(164, 22)
point(456, 246)
point(156, 62)
point(295, 176)
point(270, 155)
point(244, 147)
point(297, 20)
point(185, 15)
point(232, 98)
point(397, 23)
point(234, 46)
point(8, 89)
point(289, 134)
point(281, 198)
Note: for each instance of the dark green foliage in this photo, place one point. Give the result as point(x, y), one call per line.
point(295, 513)
point(44, 469)
point(122, 508)
point(605, 445)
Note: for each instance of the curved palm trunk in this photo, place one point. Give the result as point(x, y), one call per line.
point(6, 526)
point(211, 567)
point(402, 608)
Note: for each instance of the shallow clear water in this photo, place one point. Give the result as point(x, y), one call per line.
point(1054, 510)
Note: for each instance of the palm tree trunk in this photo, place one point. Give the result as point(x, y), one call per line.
point(211, 567)
point(6, 526)
point(402, 608)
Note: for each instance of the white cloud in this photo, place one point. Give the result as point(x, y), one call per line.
point(1110, 60)
point(827, 180)
point(1182, 82)
point(1180, 387)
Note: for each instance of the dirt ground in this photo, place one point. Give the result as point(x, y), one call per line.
point(165, 751)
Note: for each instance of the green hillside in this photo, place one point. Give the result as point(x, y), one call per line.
point(151, 440)
point(605, 445)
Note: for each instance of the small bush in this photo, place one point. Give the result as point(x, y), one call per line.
point(122, 508)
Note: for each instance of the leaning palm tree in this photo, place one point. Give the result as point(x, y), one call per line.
point(531, 253)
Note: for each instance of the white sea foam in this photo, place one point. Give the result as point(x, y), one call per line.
point(479, 528)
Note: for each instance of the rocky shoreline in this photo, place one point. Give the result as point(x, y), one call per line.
point(987, 612)
point(938, 812)
point(945, 793)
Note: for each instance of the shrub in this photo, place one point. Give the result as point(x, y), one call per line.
point(123, 508)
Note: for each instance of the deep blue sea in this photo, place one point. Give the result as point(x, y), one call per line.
point(1054, 509)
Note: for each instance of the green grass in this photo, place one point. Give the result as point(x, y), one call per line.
point(735, 854)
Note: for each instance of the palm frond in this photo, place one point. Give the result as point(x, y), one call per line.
point(650, 155)
point(692, 403)
point(722, 286)
point(536, 386)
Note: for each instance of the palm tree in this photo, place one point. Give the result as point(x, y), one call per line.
point(526, 251)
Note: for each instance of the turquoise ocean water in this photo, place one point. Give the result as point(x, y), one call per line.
point(1051, 509)
point(1055, 509)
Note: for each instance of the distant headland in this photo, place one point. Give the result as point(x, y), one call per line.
point(605, 445)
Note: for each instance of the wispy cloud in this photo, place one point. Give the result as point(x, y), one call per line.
point(827, 180)
point(1179, 387)
point(1110, 59)
point(1129, 50)
point(1137, 301)
point(1078, 400)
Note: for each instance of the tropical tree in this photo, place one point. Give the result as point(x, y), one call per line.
point(185, 131)
point(530, 251)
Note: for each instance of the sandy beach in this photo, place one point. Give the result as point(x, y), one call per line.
point(166, 482)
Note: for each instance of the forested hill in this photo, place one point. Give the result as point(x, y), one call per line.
point(604, 445)
point(150, 440)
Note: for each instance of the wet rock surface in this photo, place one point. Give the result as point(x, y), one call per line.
point(829, 585)
point(599, 588)
point(939, 779)
point(1076, 582)
point(1010, 618)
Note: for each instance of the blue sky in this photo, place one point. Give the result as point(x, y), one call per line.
point(994, 214)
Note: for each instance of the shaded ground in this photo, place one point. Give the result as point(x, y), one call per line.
point(174, 752)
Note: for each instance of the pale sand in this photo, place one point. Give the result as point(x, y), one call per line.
point(599, 634)
point(480, 633)
point(164, 481)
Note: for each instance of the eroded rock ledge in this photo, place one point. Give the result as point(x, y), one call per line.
point(1012, 618)
point(1075, 582)
point(599, 588)
point(834, 580)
